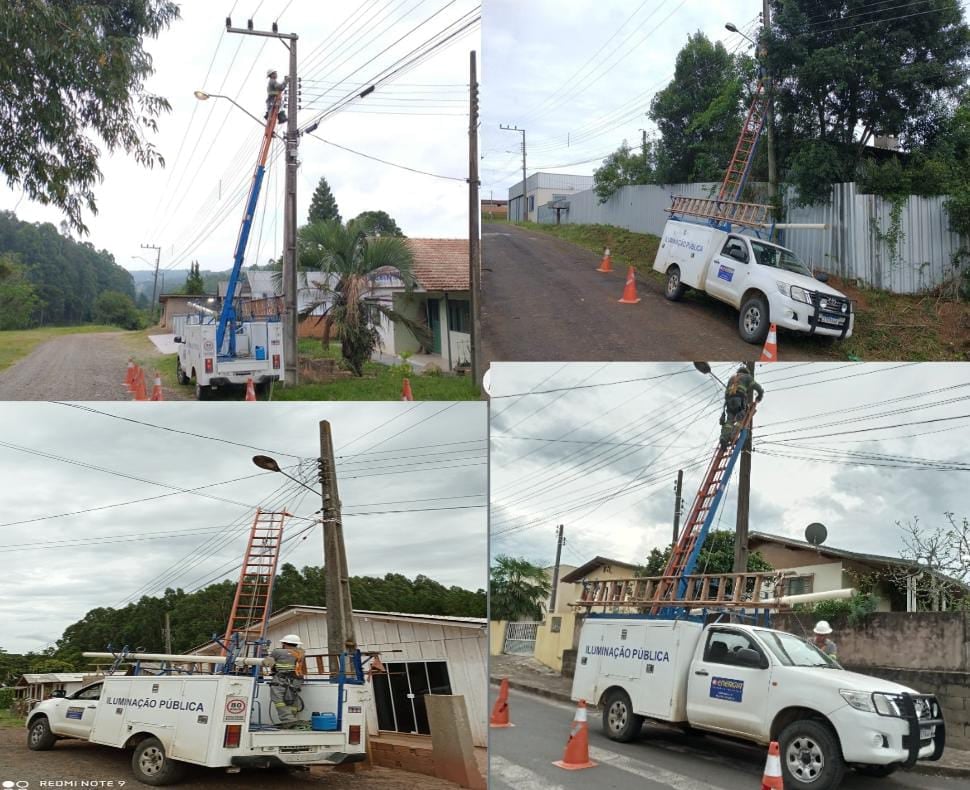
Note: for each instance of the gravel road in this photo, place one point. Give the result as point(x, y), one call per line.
point(79, 760)
point(75, 367)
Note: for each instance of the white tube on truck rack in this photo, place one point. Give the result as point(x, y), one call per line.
point(831, 595)
point(179, 659)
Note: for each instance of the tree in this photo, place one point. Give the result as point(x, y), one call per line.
point(699, 112)
point(71, 69)
point(848, 71)
point(356, 260)
point(194, 283)
point(623, 167)
point(936, 558)
point(377, 223)
point(323, 206)
point(117, 309)
point(716, 556)
point(18, 299)
point(518, 589)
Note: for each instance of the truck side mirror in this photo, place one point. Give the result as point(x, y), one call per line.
point(822, 277)
point(748, 657)
point(58, 693)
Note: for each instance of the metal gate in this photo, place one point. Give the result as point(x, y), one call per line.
point(520, 638)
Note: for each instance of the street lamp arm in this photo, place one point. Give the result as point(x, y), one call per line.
point(203, 96)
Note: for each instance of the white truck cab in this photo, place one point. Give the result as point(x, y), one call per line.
point(259, 355)
point(758, 685)
point(765, 282)
point(206, 719)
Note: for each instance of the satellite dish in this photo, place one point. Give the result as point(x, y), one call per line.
point(816, 534)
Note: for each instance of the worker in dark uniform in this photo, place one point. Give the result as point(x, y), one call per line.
point(273, 89)
point(288, 672)
point(738, 394)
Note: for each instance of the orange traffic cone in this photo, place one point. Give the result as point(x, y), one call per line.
point(772, 779)
point(630, 292)
point(606, 266)
point(770, 351)
point(250, 390)
point(576, 755)
point(139, 389)
point(130, 375)
point(500, 711)
point(406, 393)
point(157, 387)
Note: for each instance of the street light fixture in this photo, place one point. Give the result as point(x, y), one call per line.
point(203, 96)
point(705, 368)
point(734, 29)
point(270, 465)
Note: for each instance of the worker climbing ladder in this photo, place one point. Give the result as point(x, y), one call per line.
point(253, 600)
point(754, 122)
point(684, 553)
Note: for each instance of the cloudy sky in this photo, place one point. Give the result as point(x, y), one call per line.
point(412, 479)
point(192, 207)
point(602, 458)
point(579, 76)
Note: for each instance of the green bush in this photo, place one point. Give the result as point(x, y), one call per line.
point(117, 309)
point(6, 699)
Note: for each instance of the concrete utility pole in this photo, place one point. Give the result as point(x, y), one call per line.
point(340, 615)
point(290, 361)
point(678, 503)
point(555, 571)
point(744, 495)
point(769, 90)
point(474, 221)
point(168, 634)
point(158, 258)
point(525, 197)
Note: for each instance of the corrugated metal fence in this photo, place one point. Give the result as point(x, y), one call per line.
point(858, 243)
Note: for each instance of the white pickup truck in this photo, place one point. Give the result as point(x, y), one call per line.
point(219, 721)
point(766, 283)
point(758, 685)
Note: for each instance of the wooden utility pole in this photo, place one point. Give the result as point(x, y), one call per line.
point(555, 571)
point(769, 90)
point(340, 615)
point(158, 258)
point(290, 362)
point(474, 221)
point(744, 495)
point(525, 197)
point(678, 503)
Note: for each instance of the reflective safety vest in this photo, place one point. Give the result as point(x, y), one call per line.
point(289, 660)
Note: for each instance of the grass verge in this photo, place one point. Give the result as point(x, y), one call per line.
point(887, 326)
point(10, 720)
point(17, 343)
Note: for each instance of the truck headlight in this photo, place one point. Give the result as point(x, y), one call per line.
point(883, 704)
point(801, 295)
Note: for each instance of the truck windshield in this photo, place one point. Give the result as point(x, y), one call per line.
point(792, 651)
point(779, 258)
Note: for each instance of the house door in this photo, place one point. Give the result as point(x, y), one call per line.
point(434, 322)
point(399, 694)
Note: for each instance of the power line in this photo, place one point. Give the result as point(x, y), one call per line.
point(385, 161)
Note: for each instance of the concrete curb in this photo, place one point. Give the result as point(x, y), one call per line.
point(926, 768)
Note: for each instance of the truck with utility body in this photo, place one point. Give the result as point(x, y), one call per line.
point(758, 685)
point(214, 720)
point(766, 283)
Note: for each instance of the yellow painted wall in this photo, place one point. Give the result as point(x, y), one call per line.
point(549, 645)
point(496, 636)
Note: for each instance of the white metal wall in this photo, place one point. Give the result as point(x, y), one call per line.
point(464, 648)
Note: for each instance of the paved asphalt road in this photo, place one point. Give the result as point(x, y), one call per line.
point(521, 758)
point(542, 300)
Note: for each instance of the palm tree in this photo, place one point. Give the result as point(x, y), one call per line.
point(351, 262)
point(518, 589)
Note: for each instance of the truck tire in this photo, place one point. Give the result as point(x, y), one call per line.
point(674, 289)
point(620, 723)
point(180, 374)
point(754, 320)
point(811, 758)
point(878, 771)
point(202, 392)
point(152, 766)
point(39, 736)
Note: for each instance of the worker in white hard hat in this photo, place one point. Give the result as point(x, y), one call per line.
point(273, 89)
point(823, 640)
point(289, 669)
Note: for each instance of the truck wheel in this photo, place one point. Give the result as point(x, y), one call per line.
point(180, 374)
point(202, 392)
point(674, 290)
point(810, 756)
point(152, 766)
point(620, 723)
point(753, 323)
point(878, 771)
point(39, 736)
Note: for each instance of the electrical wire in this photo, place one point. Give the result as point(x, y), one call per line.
point(386, 162)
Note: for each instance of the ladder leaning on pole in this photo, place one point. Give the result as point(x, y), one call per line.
point(254, 592)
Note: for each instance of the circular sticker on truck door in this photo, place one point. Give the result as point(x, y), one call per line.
point(235, 708)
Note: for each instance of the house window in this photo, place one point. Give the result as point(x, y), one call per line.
point(399, 694)
point(800, 585)
point(555, 625)
point(532, 202)
point(459, 317)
